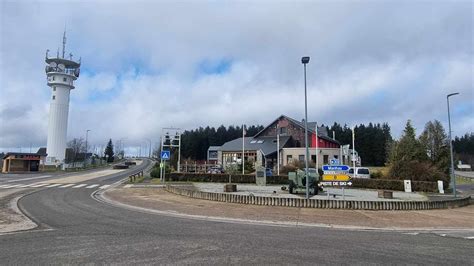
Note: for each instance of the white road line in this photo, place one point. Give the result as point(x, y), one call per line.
point(469, 237)
point(68, 185)
point(54, 185)
point(93, 186)
point(3, 186)
point(39, 185)
point(13, 186)
point(104, 186)
point(30, 178)
point(78, 186)
point(128, 186)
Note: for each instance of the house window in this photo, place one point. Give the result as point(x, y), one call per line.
point(313, 158)
point(283, 131)
point(64, 79)
point(301, 158)
point(326, 159)
point(289, 158)
point(54, 88)
point(54, 97)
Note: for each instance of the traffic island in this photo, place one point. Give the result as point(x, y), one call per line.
point(319, 201)
point(159, 201)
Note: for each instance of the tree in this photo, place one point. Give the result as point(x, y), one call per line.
point(76, 147)
point(109, 151)
point(435, 143)
point(409, 160)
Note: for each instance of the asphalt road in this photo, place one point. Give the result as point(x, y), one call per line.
point(75, 228)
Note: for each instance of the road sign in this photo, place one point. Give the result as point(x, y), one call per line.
point(336, 177)
point(335, 168)
point(165, 155)
point(162, 165)
point(335, 183)
point(334, 162)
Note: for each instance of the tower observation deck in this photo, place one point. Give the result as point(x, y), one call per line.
point(61, 73)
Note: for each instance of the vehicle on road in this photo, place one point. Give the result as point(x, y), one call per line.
point(361, 172)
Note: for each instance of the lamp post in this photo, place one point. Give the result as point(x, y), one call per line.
point(149, 147)
point(87, 135)
point(453, 178)
point(304, 61)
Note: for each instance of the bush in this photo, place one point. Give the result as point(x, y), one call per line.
point(155, 173)
point(376, 175)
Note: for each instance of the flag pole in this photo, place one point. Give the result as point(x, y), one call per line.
point(316, 146)
point(243, 149)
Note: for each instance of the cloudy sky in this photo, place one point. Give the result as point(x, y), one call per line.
point(153, 64)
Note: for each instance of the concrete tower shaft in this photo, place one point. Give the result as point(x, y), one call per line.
point(61, 74)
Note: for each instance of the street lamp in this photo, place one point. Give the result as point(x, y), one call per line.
point(304, 61)
point(85, 155)
point(149, 147)
point(453, 178)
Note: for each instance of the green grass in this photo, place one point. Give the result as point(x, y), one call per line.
point(464, 180)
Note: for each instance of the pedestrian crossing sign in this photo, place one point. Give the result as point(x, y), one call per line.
point(165, 155)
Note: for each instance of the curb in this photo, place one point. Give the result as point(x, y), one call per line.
point(321, 203)
point(101, 197)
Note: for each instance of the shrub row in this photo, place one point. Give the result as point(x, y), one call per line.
point(223, 178)
point(424, 186)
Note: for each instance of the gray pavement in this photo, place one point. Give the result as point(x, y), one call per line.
point(75, 228)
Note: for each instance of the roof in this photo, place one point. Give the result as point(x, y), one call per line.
point(266, 144)
point(322, 131)
point(42, 151)
point(22, 154)
point(214, 148)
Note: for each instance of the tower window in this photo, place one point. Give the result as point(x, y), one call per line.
point(54, 97)
point(64, 79)
point(53, 77)
point(54, 88)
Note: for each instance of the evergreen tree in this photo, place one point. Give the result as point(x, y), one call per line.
point(109, 151)
point(409, 160)
point(435, 143)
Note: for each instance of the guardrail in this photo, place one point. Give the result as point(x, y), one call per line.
point(134, 177)
point(320, 203)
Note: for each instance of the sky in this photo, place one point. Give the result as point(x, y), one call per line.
point(153, 64)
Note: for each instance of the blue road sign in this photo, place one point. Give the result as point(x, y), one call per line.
point(335, 168)
point(334, 162)
point(165, 155)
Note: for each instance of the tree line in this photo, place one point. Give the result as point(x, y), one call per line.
point(464, 148)
point(371, 141)
point(195, 143)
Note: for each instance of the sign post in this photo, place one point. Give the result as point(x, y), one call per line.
point(336, 176)
point(165, 156)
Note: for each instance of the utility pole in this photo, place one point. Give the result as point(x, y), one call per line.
point(305, 60)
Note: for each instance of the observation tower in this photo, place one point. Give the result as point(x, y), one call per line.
point(61, 73)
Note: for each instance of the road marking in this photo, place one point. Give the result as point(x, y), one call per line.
point(12, 186)
point(39, 185)
point(104, 186)
point(78, 186)
point(68, 185)
point(128, 186)
point(469, 237)
point(54, 185)
point(3, 186)
point(30, 178)
point(93, 186)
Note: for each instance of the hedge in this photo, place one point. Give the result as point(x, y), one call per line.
point(424, 186)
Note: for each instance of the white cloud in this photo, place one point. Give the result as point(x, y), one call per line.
point(369, 62)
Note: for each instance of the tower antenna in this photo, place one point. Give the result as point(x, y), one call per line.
point(64, 41)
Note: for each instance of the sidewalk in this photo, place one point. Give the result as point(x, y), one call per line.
point(159, 199)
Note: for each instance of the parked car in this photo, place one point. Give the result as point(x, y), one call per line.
point(268, 172)
point(215, 170)
point(361, 172)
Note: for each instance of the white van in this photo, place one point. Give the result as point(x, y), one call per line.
point(361, 172)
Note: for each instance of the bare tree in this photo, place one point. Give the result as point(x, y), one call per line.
point(76, 147)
